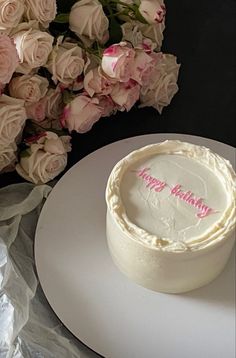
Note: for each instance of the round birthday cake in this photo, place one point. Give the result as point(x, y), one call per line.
point(171, 215)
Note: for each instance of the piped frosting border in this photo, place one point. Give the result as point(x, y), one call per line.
point(220, 166)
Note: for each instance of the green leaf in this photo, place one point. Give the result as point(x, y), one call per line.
point(25, 153)
point(67, 96)
point(62, 18)
point(139, 16)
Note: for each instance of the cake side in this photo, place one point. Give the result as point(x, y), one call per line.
point(165, 271)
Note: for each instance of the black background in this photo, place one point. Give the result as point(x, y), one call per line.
point(202, 34)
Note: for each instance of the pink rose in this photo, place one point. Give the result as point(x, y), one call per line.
point(81, 113)
point(144, 65)
point(147, 45)
point(125, 94)
point(153, 11)
point(36, 111)
point(54, 103)
point(8, 59)
point(107, 105)
point(96, 82)
point(118, 61)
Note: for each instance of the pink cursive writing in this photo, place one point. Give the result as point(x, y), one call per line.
point(152, 182)
point(187, 196)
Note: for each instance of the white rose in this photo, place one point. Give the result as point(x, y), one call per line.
point(163, 86)
point(144, 65)
point(33, 46)
point(162, 95)
point(66, 62)
point(40, 166)
point(153, 11)
point(11, 12)
point(13, 117)
point(28, 87)
point(153, 32)
point(132, 33)
point(44, 160)
point(7, 157)
point(52, 143)
point(44, 11)
point(88, 21)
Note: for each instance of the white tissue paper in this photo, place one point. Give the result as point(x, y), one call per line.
point(28, 326)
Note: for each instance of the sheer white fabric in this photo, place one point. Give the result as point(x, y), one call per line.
point(28, 326)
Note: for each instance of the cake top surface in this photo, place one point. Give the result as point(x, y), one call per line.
point(173, 196)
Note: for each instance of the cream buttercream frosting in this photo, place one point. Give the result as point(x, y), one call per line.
point(173, 196)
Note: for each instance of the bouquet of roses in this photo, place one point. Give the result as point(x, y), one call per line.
point(66, 64)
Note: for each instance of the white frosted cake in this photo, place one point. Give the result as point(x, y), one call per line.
point(171, 215)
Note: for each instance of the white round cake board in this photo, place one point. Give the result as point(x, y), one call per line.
point(109, 313)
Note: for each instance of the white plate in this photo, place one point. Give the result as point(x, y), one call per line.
point(112, 315)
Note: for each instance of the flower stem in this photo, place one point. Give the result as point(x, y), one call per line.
point(124, 4)
point(90, 50)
